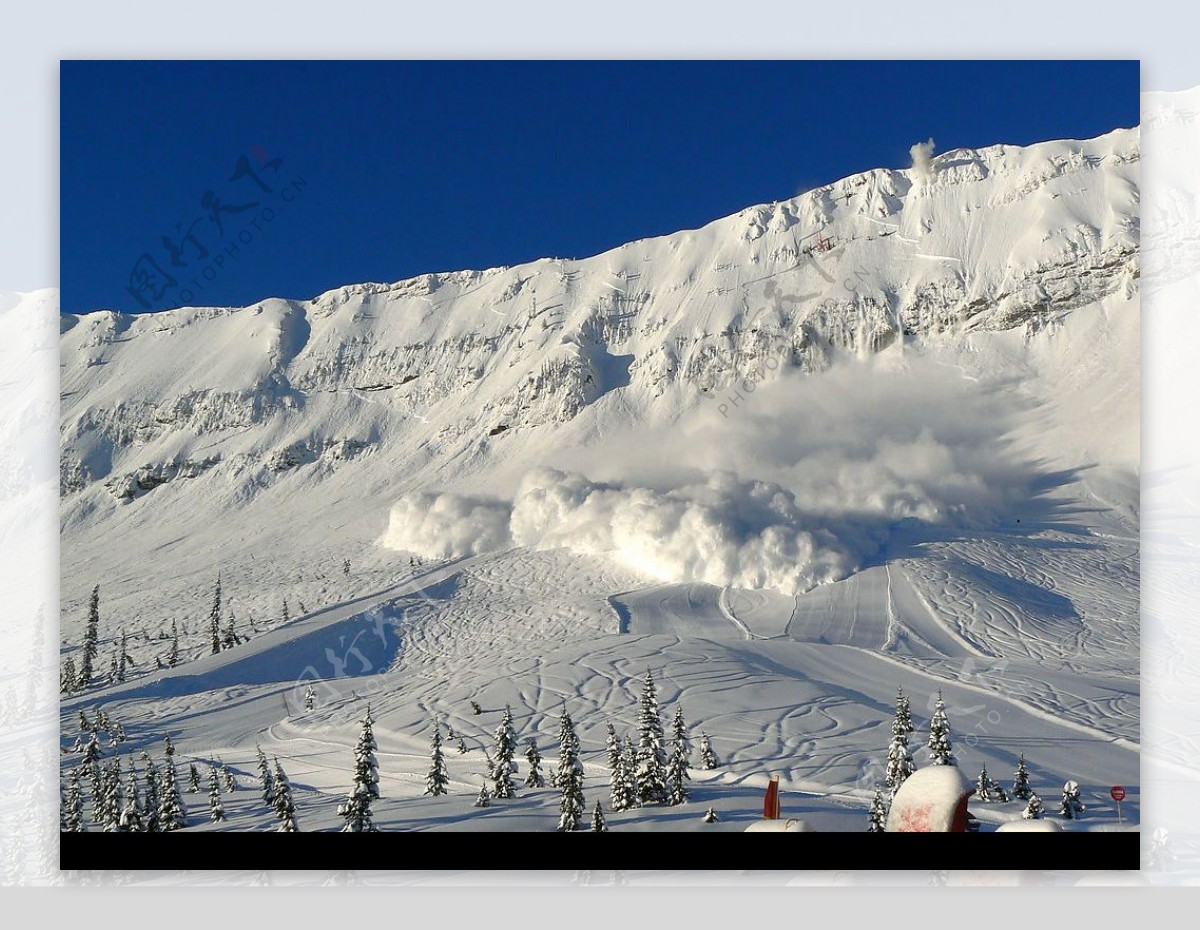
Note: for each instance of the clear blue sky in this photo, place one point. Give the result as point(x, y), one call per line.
point(378, 171)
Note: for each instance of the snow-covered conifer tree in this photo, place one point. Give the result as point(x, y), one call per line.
point(708, 758)
point(569, 776)
point(194, 785)
point(1021, 788)
point(91, 641)
point(877, 817)
point(534, 777)
point(173, 655)
point(285, 808)
point(265, 781)
point(216, 810)
point(482, 799)
point(214, 618)
point(1034, 809)
point(983, 786)
point(172, 815)
point(940, 750)
point(598, 823)
point(613, 745)
point(677, 765)
point(651, 758)
point(1072, 806)
point(72, 816)
point(506, 748)
point(437, 779)
point(357, 809)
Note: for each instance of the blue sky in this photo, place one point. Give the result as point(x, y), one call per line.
point(220, 183)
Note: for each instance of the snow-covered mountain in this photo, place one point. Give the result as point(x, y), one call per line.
point(897, 413)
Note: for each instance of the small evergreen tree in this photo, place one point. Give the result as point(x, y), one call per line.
point(357, 809)
point(1072, 807)
point(227, 776)
point(1021, 790)
point(983, 786)
point(285, 808)
point(651, 759)
point(68, 678)
point(677, 765)
point(216, 810)
point(122, 657)
point(613, 746)
point(230, 638)
point(708, 758)
point(265, 780)
point(598, 823)
point(437, 779)
point(286, 616)
point(194, 779)
point(72, 817)
point(110, 797)
point(622, 793)
point(153, 801)
point(534, 777)
point(899, 757)
point(481, 799)
point(310, 698)
point(172, 815)
point(173, 655)
point(132, 817)
point(710, 815)
point(91, 641)
point(214, 618)
point(506, 748)
point(570, 776)
point(940, 750)
point(1034, 809)
point(877, 817)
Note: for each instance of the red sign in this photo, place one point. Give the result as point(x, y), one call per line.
point(1118, 793)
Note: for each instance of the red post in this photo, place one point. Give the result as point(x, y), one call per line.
point(771, 801)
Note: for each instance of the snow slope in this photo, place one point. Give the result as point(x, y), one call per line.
point(884, 433)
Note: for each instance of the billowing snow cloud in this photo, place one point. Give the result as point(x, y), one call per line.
point(922, 159)
point(811, 479)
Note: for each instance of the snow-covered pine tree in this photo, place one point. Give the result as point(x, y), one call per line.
point(877, 816)
point(677, 765)
point(72, 816)
point(1034, 809)
point(172, 815)
point(983, 786)
point(598, 823)
point(230, 638)
point(997, 791)
point(570, 776)
point(91, 641)
point(286, 616)
point(651, 758)
point(153, 800)
point(68, 678)
point(194, 785)
point(1021, 788)
point(1072, 806)
point(285, 807)
point(710, 815)
point(612, 745)
point(132, 817)
point(940, 750)
point(437, 779)
point(310, 698)
point(618, 797)
point(227, 776)
point(899, 756)
point(216, 810)
point(122, 657)
point(168, 747)
point(357, 809)
point(506, 748)
point(265, 781)
point(214, 618)
point(708, 758)
point(112, 801)
point(173, 655)
point(483, 798)
point(534, 777)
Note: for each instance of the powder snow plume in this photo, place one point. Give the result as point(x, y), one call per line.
point(922, 159)
point(801, 489)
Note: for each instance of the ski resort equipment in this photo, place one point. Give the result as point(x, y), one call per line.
point(931, 800)
point(771, 801)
